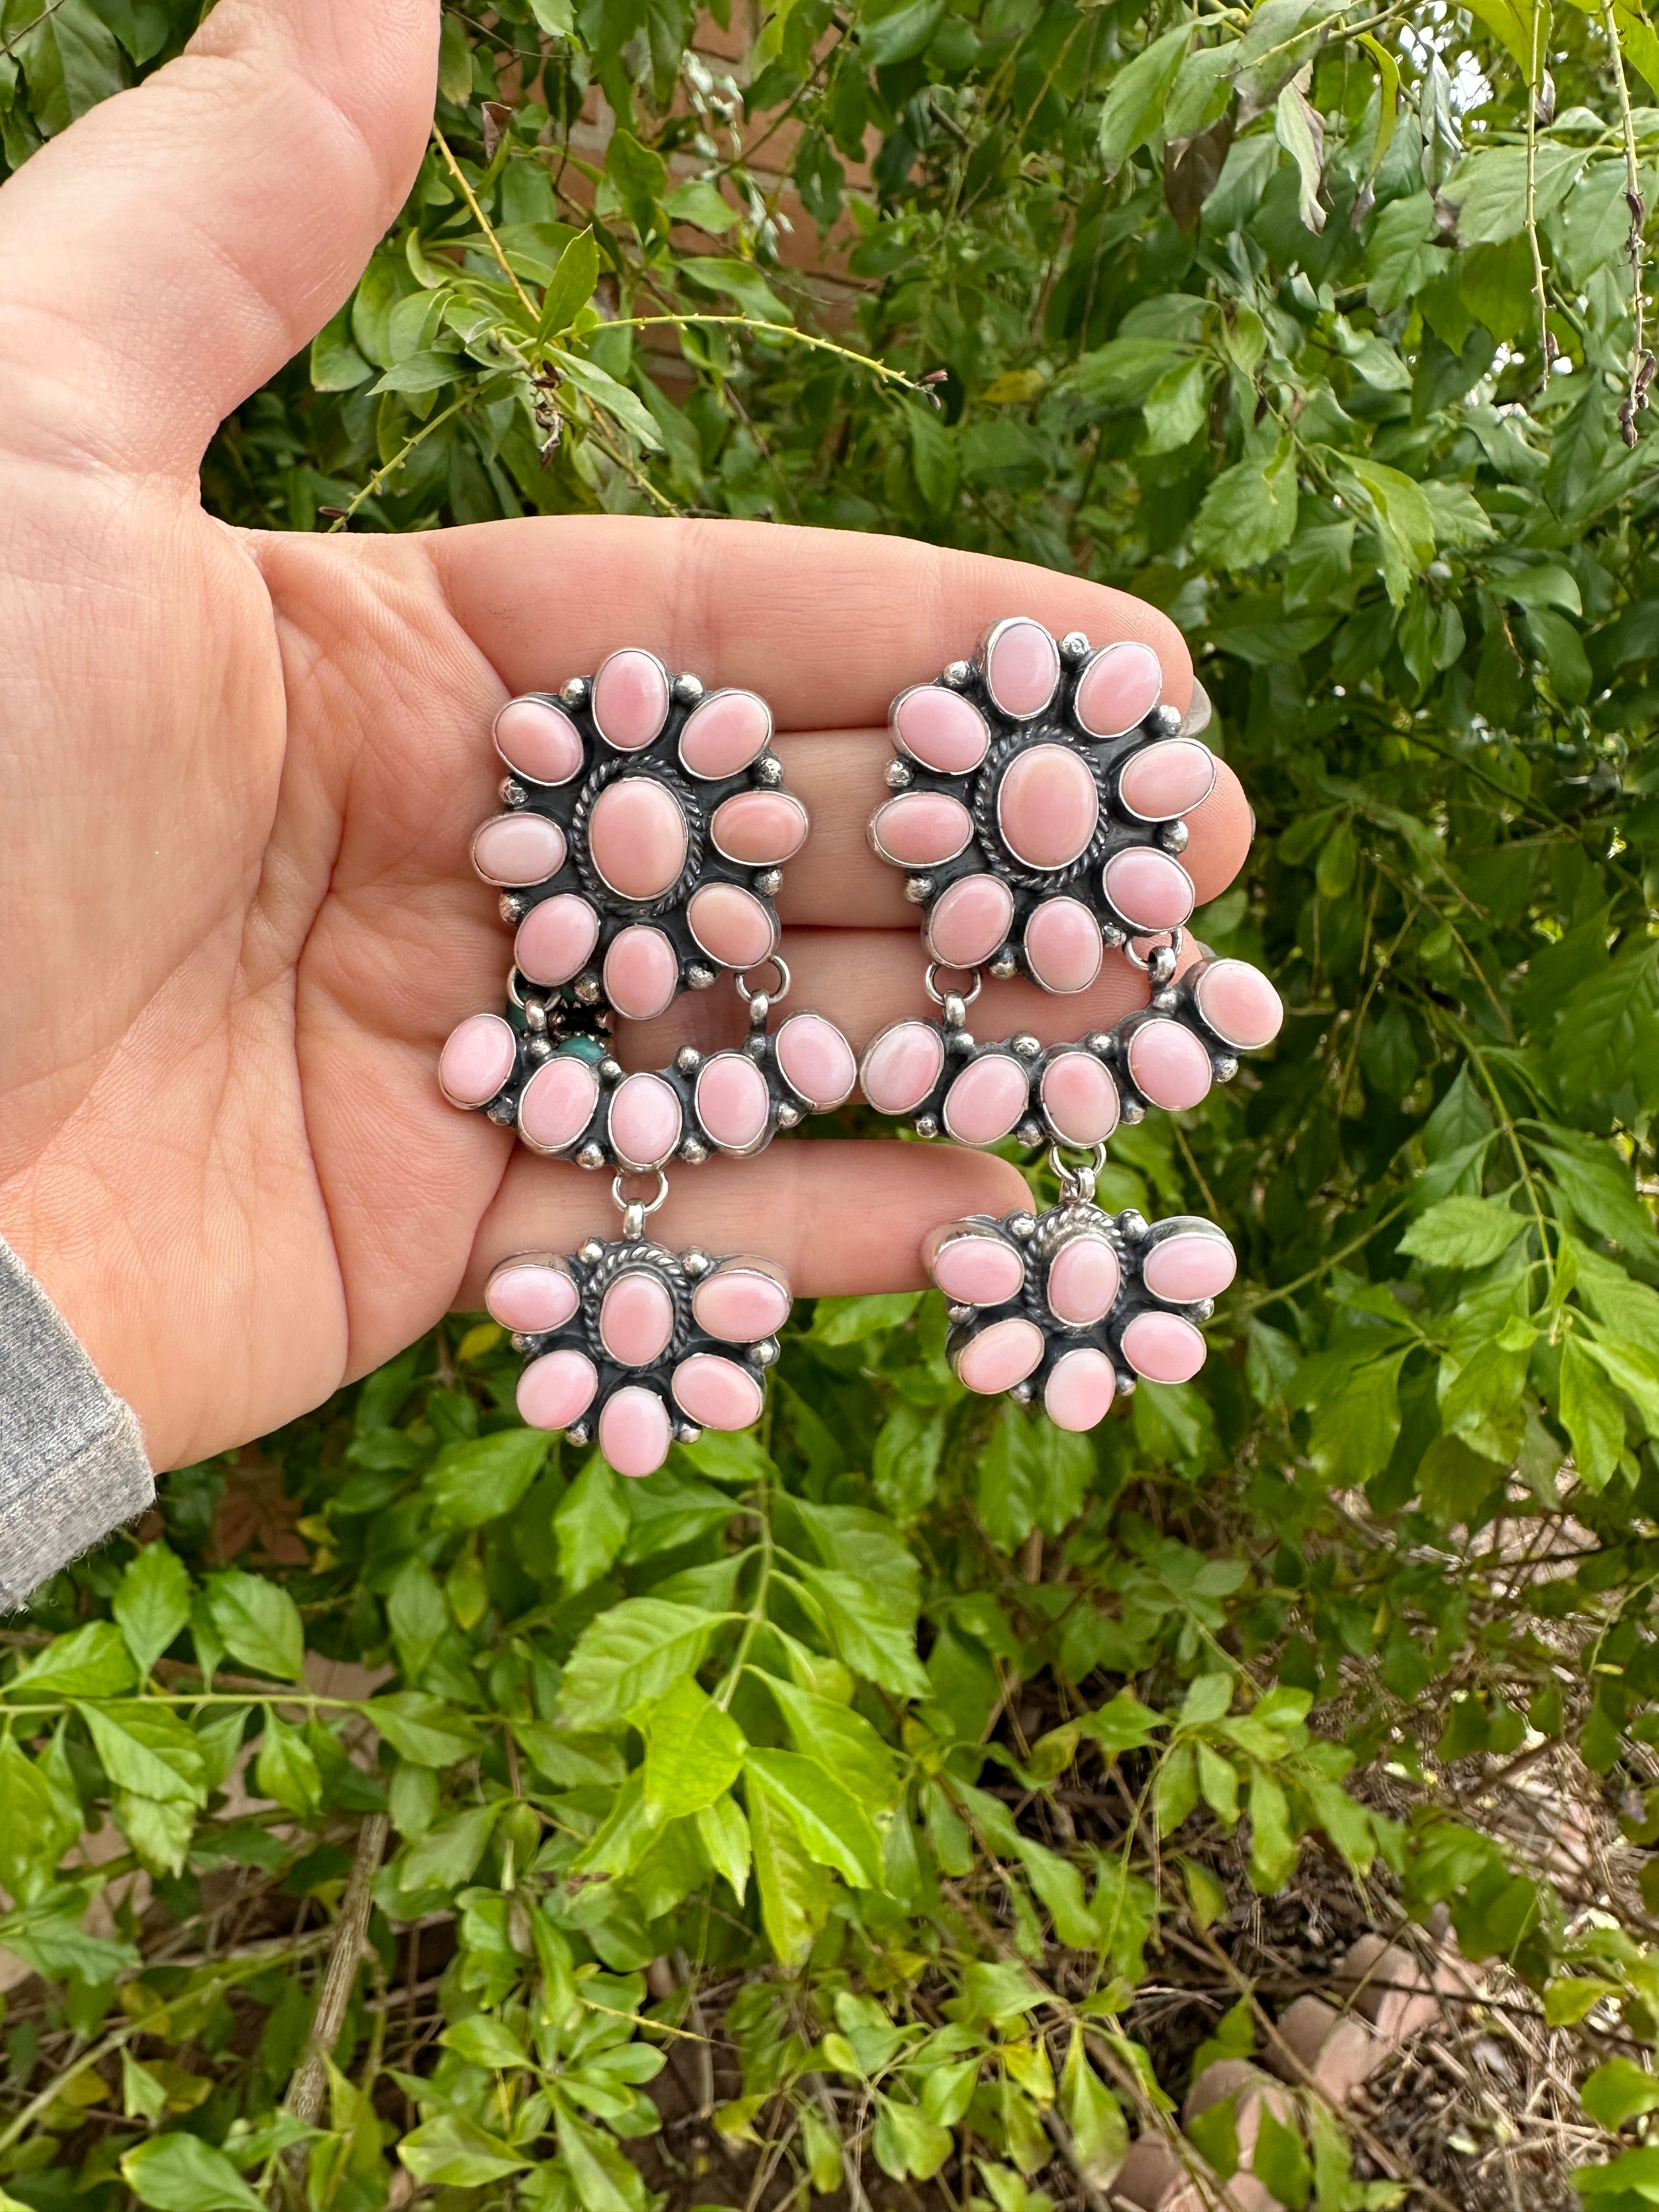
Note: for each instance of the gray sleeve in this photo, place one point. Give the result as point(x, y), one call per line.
point(72, 1461)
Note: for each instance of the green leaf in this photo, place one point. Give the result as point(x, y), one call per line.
point(603, 2179)
point(576, 277)
point(1591, 1414)
point(418, 1617)
point(1100, 2136)
point(591, 1521)
point(900, 34)
point(1122, 373)
point(148, 1749)
point(1133, 105)
point(259, 1623)
point(796, 1894)
point(446, 1855)
point(452, 2151)
point(39, 1819)
point(336, 363)
point(741, 281)
point(1300, 130)
point(839, 1739)
point(906, 2144)
point(151, 1604)
point(850, 1320)
point(482, 1478)
point(423, 1728)
point(724, 1834)
point(1249, 511)
point(630, 1655)
point(1404, 521)
point(484, 2041)
point(143, 2097)
point(693, 1751)
point(1280, 2162)
point(92, 1662)
point(1463, 1232)
point(1619, 2092)
point(833, 1826)
point(1273, 1851)
point(286, 1769)
point(182, 2173)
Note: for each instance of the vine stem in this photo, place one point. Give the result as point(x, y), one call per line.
point(391, 468)
point(1639, 367)
point(1534, 77)
point(787, 332)
point(345, 1956)
point(484, 224)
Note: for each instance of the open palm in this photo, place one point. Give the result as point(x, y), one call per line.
point(241, 773)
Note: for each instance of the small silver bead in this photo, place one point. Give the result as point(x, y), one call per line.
point(1099, 1041)
point(501, 1112)
point(766, 1351)
point(755, 1043)
point(695, 1262)
point(1004, 965)
point(1162, 964)
point(788, 1117)
point(1021, 1225)
point(688, 690)
point(1134, 1111)
point(694, 1151)
point(1126, 1383)
point(592, 1252)
point(520, 1342)
point(960, 1040)
point(575, 692)
point(699, 978)
point(926, 1125)
point(1029, 1133)
point(1165, 1002)
point(958, 673)
point(688, 1060)
point(955, 1315)
point(512, 909)
point(587, 989)
point(1023, 1393)
point(1074, 646)
point(899, 776)
point(1110, 935)
point(610, 1071)
point(919, 889)
point(769, 768)
point(1132, 1225)
point(1026, 1046)
point(1202, 1309)
point(1162, 722)
point(541, 1048)
point(1225, 1069)
point(577, 1433)
point(535, 1016)
point(1173, 837)
point(512, 792)
point(590, 1156)
point(954, 1007)
point(769, 882)
point(686, 1432)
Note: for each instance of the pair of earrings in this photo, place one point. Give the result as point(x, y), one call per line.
point(1037, 798)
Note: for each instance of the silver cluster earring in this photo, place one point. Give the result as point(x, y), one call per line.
point(1039, 797)
point(638, 852)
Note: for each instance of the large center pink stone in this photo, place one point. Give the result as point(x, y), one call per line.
point(1079, 1392)
point(637, 837)
point(732, 1101)
point(557, 1102)
point(557, 1389)
point(531, 1296)
point(817, 1061)
point(630, 699)
point(971, 1266)
point(642, 972)
point(636, 1319)
point(716, 1392)
point(987, 1099)
point(1063, 944)
point(970, 920)
point(1022, 667)
point(477, 1061)
point(1079, 1098)
point(940, 729)
point(1083, 1281)
point(634, 1431)
point(741, 1302)
point(1048, 806)
point(1119, 687)
point(901, 1066)
point(1000, 1356)
point(645, 1120)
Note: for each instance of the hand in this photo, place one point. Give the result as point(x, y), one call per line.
point(243, 771)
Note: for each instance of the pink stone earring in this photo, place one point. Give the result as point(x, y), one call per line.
point(1040, 796)
point(640, 852)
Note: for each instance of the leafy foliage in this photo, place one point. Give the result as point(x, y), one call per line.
point(1317, 328)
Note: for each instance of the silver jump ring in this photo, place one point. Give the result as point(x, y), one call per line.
point(939, 997)
point(1077, 1182)
point(1172, 941)
point(635, 1210)
point(749, 996)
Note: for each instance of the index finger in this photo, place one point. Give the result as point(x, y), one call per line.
point(827, 625)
